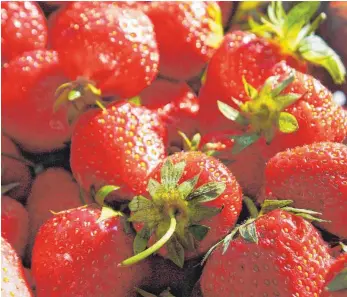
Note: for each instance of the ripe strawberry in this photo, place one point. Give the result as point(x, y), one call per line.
point(13, 280)
point(313, 176)
point(75, 254)
point(281, 254)
point(14, 224)
point(193, 201)
point(119, 145)
point(14, 171)
point(188, 33)
point(23, 27)
point(28, 110)
point(246, 54)
point(335, 281)
point(101, 43)
point(53, 190)
point(177, 104)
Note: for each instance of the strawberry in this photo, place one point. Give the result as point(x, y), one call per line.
point(52, 190)
point(176, 102)
point(28, 110)
point(192, 202)
point(313, 176)
point(29, 277)
point(277, 254)
point(13, 280)
point(101, 43)
point(226, 8)
point(118, 145)
point(188, 33)
point(244, 54)
point(23, 27)
point(14, 224)
point(335, 281)
point(291, 109)
point(77, 254)
point(14, 171)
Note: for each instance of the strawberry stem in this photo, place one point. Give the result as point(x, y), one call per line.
point(316, 23)
point(155, 247)
point(251, 207)
point(99, 104)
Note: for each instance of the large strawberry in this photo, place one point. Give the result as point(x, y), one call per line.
point(101, 43)
point(244, 54)
point(14, 224)
point(193, 200)
point(23, 28)
point(278, 254)
point(13, 280)
point(77, 254)
point(27, 110)
point(313, 176)
point(13, 170)
point(118, 145)
point(335, 280)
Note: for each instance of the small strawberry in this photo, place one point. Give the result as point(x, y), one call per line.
point(23, 28)
point(13, 280)
point(313, 176)
point(14, 224)
point(28, 110)
point(14, 171)
point(277, 254)
point(101, 43)
point(118, 145)
point(52, 190)
point(188, 33)
point(193, 201)
point(335, 281)
point(77, 254)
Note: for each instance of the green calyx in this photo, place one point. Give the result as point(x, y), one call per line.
point(295, 34)
point(214, 22)
point(339, 283)
point(264, 114)
point(80, 95)
point(173, 214)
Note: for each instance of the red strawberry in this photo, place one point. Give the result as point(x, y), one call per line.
point(53, 190)
point(75, 254)
point(23, 27)
point(119, 145)
point(28, 110)
point(176, 102)
point(193, 201)
point(246, 54)
point(313, 176)
point(14, 171)
point(101, 43)
point(335, 281)
point(280, 254)
point(14, 224)
point(187, 33)
point(226, 8)
point(13, 280)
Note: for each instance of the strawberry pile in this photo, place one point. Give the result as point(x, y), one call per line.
point(172, 149)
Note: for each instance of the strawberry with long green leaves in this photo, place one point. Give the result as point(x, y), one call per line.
point(193, 200)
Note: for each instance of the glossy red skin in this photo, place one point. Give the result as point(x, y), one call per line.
point(13, 280)
point(14, 171)
point(181, 30)
point(28, 115)
point(23, 28)
point(240, 54)
point(14, 224)
point(336, 267)
point(314, 177)
point(176, 103)
point(290, 259)
point(211, 170)
point(119, 146)
point(52, 190)
point(120, 56)
point(76, 256)
point(247, 166)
